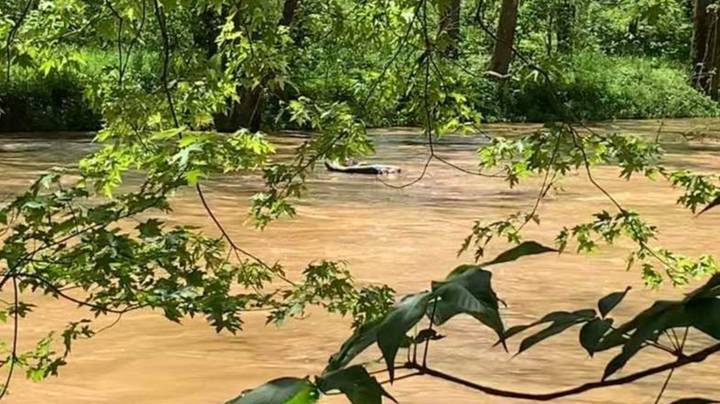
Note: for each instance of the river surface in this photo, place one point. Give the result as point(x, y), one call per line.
point(403, 238)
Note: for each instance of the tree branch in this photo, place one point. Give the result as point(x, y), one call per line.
point(680, 362)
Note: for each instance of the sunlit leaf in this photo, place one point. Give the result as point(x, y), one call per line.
point(287, 390)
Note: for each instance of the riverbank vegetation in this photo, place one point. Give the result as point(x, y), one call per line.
point(631, 59)
point(166, 77)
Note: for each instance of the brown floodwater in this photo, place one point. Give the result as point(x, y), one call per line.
point(403, 238)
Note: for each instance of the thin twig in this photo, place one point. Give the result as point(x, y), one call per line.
point(11, 37)
point(427, 342)
point(16, 331)
point(664, 386)
point(82, 303)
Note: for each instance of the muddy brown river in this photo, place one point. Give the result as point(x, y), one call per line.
point(403, 238)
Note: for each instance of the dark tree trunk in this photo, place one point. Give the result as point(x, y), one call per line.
point(450, 26)
point(244, 114)
point(712, 60)
point(702, 36)
point(565, 23)
point(549, 35)
point(503, 52)
point(248, 112)
point(289, 10)
point(207, 29)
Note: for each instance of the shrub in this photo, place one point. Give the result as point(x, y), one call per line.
point(598, 87)
point(45, 103)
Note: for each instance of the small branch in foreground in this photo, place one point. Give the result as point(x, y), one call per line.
point(233, 245)
point(8, 44)
point(16, 331)
point(664, 386)
point(79, 302)
point(680, 362)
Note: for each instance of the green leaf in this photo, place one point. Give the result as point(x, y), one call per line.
point(167, 134)
point(356, 383)
point(560, 321)
point(150, 228)
point(427, 335)
point(715, 202)
point(286, 390)
point(607, 303)
point(592, 332)
point(710, 289)
point(705, 316)
point(362, 338)
point(647, 326)
point(468, 291)
point(619, 335)
point(695, 400)
point(524, 249)
point(397, 323)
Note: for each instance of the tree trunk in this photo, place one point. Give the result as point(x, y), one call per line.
point(500, 62)
point(450, 26)
point(206, 31)
point(248, 112)
point(702, 35)
point(289, 10)
point(565, 23)
point(712, 60)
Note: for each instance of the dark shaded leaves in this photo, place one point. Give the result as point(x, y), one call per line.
point(592, 332)
point(647, 326)
point(356, 383)
point(470, 292)
point(560, 321)
point(695, 400)
point(427, 335)
point(715, 202)
point(362, 338)
point(524, 249)
point(607, 303)
point(397, 323)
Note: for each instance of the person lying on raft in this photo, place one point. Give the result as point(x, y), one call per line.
point(352, 167)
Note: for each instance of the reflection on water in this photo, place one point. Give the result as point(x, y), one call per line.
point(403, 238)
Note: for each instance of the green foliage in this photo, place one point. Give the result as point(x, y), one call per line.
point(607, 303)
point(599, 87)
point(329, 285)
point(524, 249)
point(285, 390)
point(397, 323)
point(697, 310)
point(466, 290)
point(618, 66)
point(354, 382)
point(164, 89)
point(699, 189)
point(60, 236)
point(45, 103)
point(357, 385)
